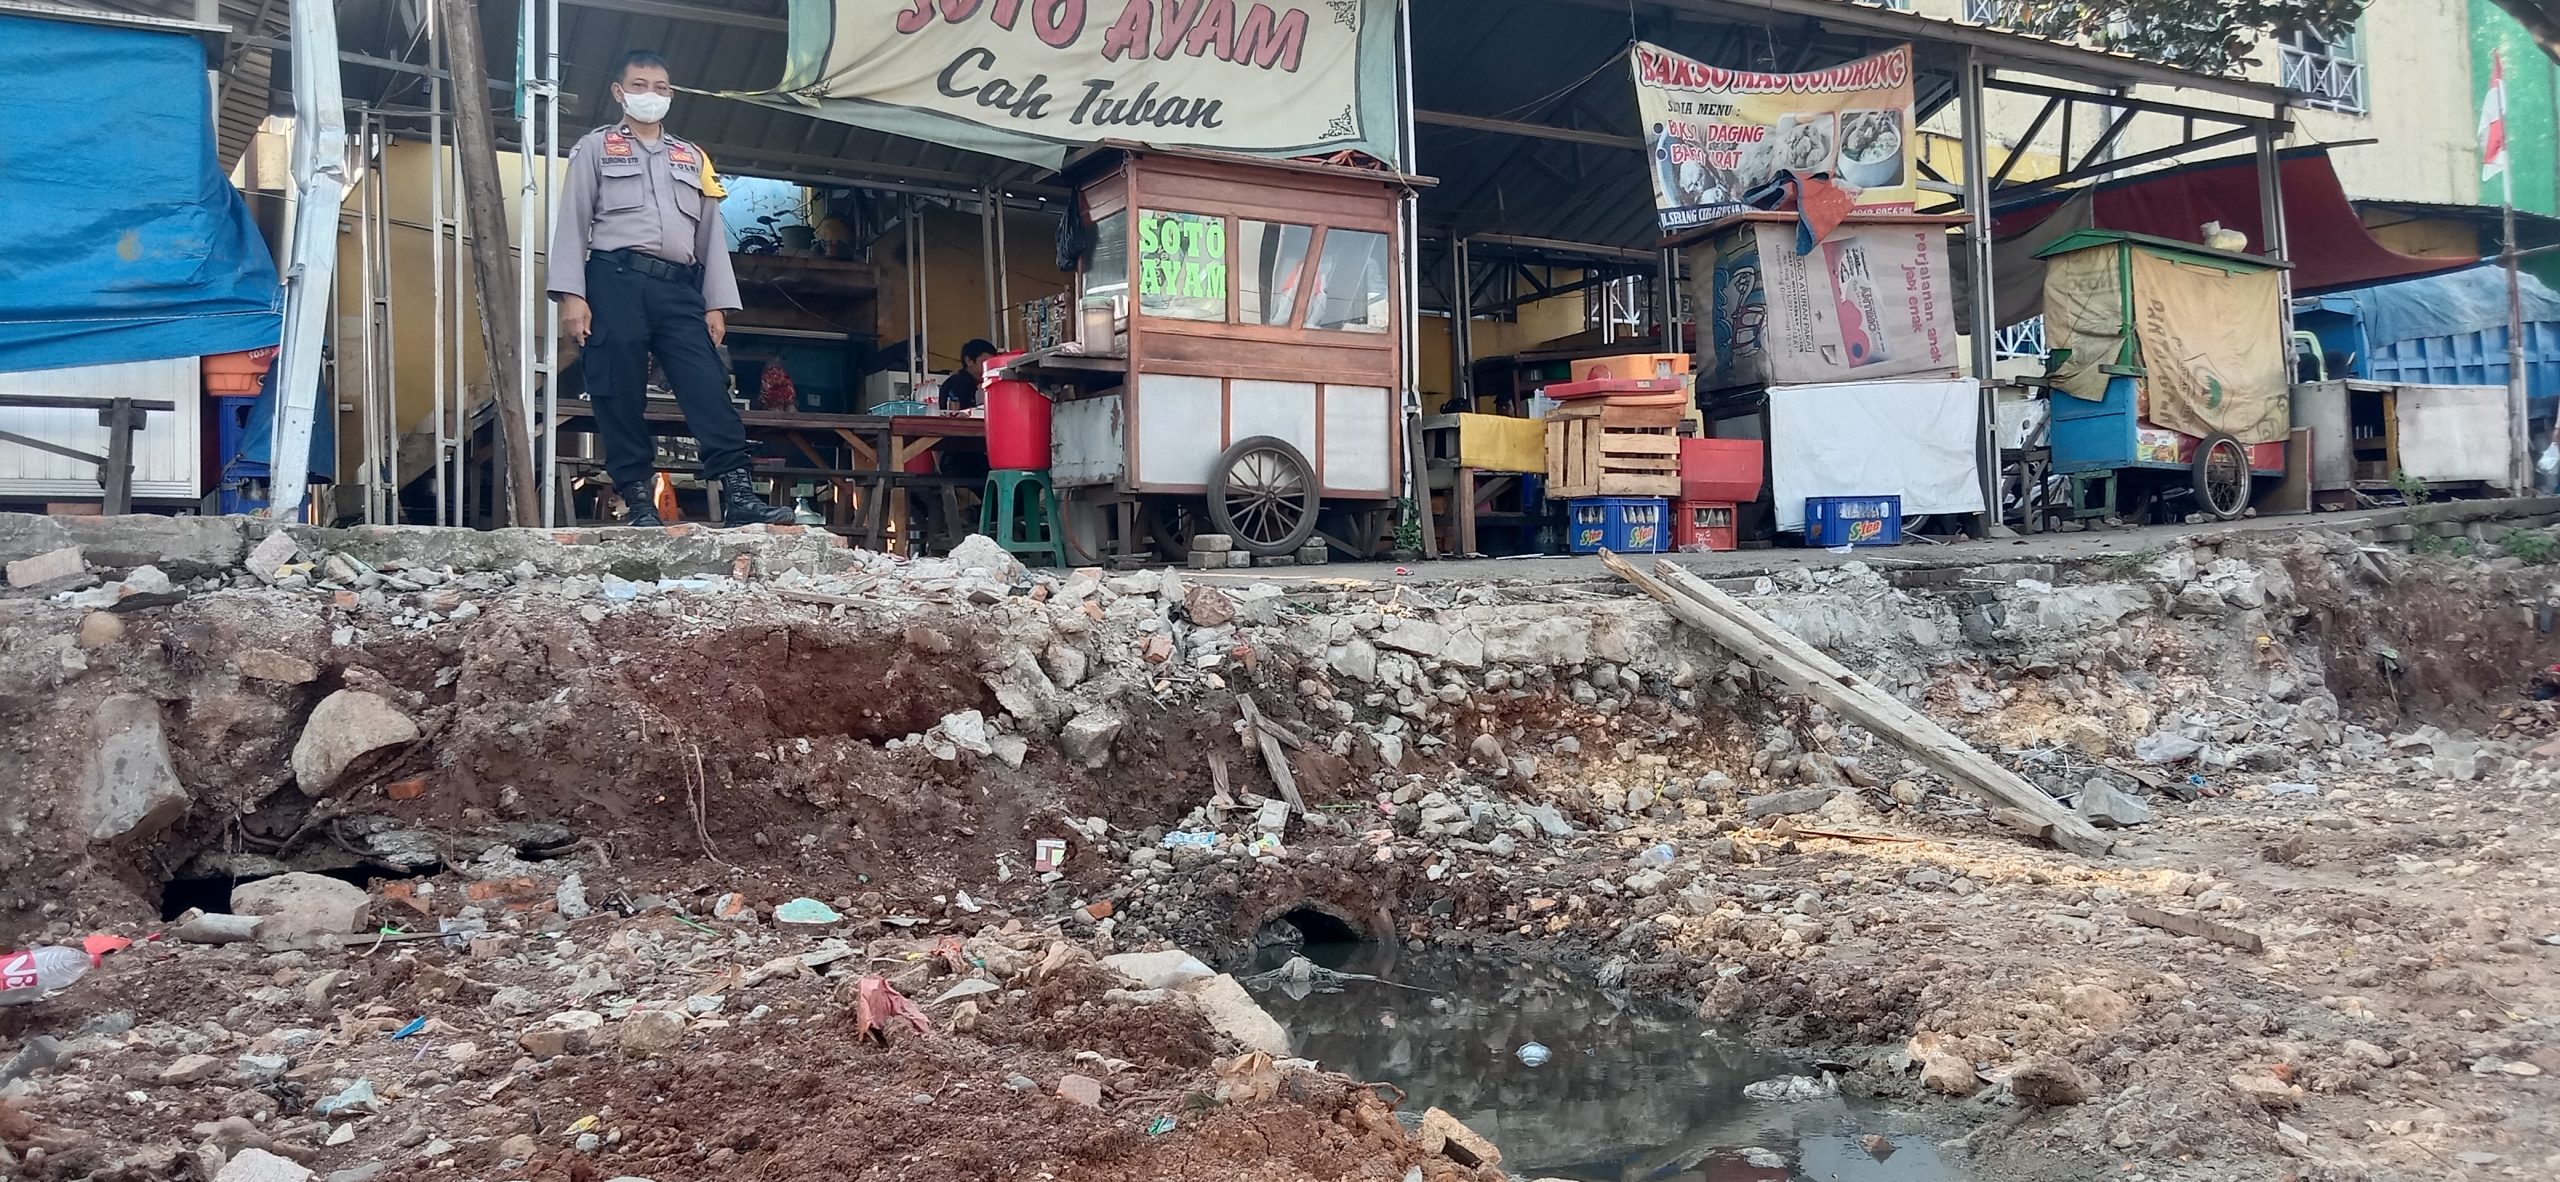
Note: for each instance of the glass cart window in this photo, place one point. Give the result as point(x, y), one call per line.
point(1182, 265)
point(1351, 283)
point(1272, 255)
point(1106, 272)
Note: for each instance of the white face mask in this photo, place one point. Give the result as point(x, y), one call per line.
point(645, 107)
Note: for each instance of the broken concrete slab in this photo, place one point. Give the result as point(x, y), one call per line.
point(186, 547)
point(133, 788)
point(1159, 970)
point(48, 566)
point(258, 1165)
point(2109, 808)
point(271, 554)
point(1449, 1137)
point(203, 927)
point(1233, 1012)
point(303, 908)
point(1088, 736)
point(266, 664)
point(347, 726)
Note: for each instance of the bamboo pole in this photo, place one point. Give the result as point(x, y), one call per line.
point(1751, 636)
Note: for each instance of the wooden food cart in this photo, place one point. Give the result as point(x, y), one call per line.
point(1250, 378)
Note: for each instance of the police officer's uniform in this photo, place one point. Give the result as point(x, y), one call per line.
point(645, 218)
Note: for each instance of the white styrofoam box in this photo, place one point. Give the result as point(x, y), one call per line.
point(168, 457)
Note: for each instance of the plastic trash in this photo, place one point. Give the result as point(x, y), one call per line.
point(1533, 1054)
point(2548, 463)
point(415, 1025)
point(1790, 1088)
point(29, 975)
point(1197, 841)
point(1160, 1126)
point(1660, 856)
point(2165, 747)
point(809, 911)
point(2293, 790)
point(357, 1094)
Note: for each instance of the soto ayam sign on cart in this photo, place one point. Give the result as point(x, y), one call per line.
point(1026, 79)
point(1713, 134)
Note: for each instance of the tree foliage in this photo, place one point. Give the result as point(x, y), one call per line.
point(2214, 36)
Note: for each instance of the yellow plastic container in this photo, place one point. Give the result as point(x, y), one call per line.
point(1499, 443)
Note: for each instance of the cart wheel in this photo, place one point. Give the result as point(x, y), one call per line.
point(2221, 476)
point(1170, 527)
point(1263, 494)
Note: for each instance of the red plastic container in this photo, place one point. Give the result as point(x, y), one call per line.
point(1017, 421)
point(1697, 527)
point(1721, 470)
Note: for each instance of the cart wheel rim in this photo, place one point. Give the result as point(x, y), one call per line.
point(1268, 496)
point(2222, 480)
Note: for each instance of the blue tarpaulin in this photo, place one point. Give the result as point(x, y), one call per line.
point(124, 241)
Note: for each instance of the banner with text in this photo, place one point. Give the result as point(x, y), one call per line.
point(1029, 79)
point(1715, 134)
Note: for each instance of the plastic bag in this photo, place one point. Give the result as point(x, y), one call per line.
point(2548, 463)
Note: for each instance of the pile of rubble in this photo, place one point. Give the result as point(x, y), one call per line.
point(642, 814)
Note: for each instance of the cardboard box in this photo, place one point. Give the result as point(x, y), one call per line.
point(1874, 300)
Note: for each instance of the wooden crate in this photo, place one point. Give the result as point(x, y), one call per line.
point(1597, 450)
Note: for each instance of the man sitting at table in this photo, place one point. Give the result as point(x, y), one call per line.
point(961, 391)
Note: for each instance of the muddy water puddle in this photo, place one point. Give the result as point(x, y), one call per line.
point(1627, 1090)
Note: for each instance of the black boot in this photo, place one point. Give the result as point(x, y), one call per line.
point(739, 504)
point(639, 506)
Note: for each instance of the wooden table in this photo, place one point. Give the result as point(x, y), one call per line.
point(863, 458)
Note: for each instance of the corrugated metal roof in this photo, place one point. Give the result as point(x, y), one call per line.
point(1556, 62)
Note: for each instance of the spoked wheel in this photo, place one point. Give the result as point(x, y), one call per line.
point(1263, 494)
point(1170, 526)
point(2221, 477)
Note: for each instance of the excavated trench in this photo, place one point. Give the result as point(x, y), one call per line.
point(705, 742)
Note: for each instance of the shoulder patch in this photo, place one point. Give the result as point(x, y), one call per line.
point(711, 186)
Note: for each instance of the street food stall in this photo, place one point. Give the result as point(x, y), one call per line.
point(2168, 373)
point(1238, 355)
point(2375, 436)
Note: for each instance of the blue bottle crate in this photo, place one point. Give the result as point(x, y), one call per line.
point(1626, 525)
point(1852, 521)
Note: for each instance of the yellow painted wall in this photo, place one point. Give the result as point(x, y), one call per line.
point(2418, 94)
point(1533, 324)
point(956, 277)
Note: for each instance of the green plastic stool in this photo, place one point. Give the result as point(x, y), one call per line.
point(1021, 513)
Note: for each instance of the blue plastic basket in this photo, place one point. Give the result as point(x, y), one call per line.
point(1626, 525)
point(1852, 521)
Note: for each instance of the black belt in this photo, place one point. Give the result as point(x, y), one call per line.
point(649, 264)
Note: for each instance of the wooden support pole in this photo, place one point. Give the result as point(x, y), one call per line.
point(1751, 636)
point(476, 156)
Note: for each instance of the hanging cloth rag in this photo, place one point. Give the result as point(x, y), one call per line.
point(1819, 205)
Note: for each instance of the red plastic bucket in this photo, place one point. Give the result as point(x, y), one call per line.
point(1017, 421)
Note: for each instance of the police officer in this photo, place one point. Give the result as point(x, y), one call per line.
point(640, 265)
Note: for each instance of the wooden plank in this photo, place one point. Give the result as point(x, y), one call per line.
point(493, 265)
point(1752, 637)
point(2195, 925)
point(1278, 760)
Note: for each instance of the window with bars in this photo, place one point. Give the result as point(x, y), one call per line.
point(2327, 72)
